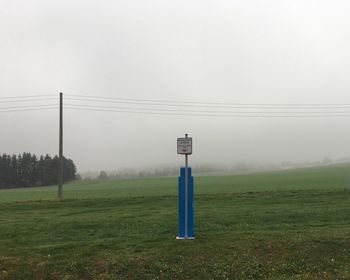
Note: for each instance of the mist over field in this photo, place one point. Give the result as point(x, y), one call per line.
point(228, 52)
point(262, 87)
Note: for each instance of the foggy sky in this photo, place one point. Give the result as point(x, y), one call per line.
point(208, 51)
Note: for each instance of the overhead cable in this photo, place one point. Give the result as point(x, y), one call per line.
point(209, 106)
point(24, 110)
point(26, 96)
point(26, 100)
point(207, 115)
point(24, 107)
point(205, 111)
point(119, 99)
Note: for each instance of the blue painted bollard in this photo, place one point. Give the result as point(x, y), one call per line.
point(186, 222)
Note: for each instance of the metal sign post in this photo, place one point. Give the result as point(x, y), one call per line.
point(184, 147)
point(186, 188)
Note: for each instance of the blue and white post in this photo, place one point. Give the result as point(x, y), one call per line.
point(185, 190)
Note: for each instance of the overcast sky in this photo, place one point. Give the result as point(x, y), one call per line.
point(290, 52)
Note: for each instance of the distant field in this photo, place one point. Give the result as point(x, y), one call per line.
point(291, 224)
point(327, 177)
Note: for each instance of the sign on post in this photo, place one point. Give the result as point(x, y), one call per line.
point(184, 146)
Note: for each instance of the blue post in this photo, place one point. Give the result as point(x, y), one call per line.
point(182, 205)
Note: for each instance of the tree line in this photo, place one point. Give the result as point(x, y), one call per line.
point(27, 170)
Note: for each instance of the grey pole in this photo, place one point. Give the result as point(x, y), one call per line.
point(186, 194)
point(60, 159)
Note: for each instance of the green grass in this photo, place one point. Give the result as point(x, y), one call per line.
point(328, 177)
point(278, 225)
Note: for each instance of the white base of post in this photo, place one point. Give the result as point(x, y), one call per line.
point(184, 238)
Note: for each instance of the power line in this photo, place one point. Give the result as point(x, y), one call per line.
point(23, 107)
point(25, 110)
point(174, 112)
point(151, 107)
point(207, 111)
point(208, 115)
point(119, 99)
point(29, 100)
point(88, 98)
point(25, 96)
point(210, 106)
point(239, 106)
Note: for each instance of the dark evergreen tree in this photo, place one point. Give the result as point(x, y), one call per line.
point(25, 170)
point(6, 170)
point(14, 170)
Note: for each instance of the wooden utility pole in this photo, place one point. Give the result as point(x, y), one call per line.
point(60, 157)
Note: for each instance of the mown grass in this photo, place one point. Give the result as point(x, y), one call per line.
point(327, 177)
point(289, 234)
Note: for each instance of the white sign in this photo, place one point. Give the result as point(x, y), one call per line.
point(184, 146)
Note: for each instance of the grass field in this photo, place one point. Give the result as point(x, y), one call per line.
point(291, 224)
point(329, 177)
